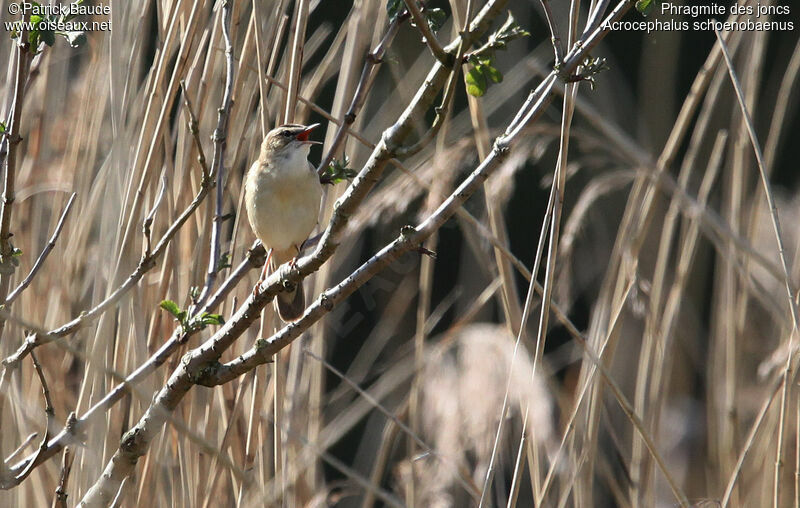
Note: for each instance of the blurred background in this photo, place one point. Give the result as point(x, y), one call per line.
point(667, 267)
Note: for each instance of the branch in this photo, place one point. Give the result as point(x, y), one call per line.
point(441, 110)
point(191, 120)
point(201, 364)
point(60, 500)
point(148, 221)
point(147, 262)
point(427, 35)
point(218, 162)
point(24, 57)
point(368, 73)
point(49, 413)
point(555, 38)
point(45, 252)
point(255, 259)
point(135, 442)
point(10, 141)
point(409, 239)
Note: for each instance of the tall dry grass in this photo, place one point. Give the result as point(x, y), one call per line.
point(659, 371)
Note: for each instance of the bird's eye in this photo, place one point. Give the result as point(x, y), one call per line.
point(287, 134)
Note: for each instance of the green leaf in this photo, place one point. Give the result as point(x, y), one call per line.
point(476, 81)
point(16, 253)
point(171, 307)
point(492, 73)
point(224, 261)
point(338, 171)
point(76, 38)
point(48, 37)
point(33, 35)
point(2, 128)
point(211, 319)
point(394, 8)
point(645, 7)
point(435, 19)
point(510, 31)
point(38, 34)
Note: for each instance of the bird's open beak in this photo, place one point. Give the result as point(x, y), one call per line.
point(303, 135)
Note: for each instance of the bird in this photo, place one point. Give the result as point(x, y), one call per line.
point(282, 198)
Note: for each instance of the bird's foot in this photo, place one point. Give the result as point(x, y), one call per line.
point(263, 276)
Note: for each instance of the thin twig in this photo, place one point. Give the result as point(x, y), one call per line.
point(427, 35)
point(201, 365)
point(21, 447)
point(218, 162)
point(255, 259)
point(194, 129)
point(558, 49)
point(43, 256)
point(442, 110)
point(49, 414)
point(148, 221)
point(60, 499)
point(11, 141)
point(48, 403)
point(145, 264)
point(365, 82)
point(23, 60)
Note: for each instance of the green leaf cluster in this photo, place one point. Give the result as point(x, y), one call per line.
point(194, 323)
point(481, 75)
point(434, 17)
point(483, 72)
point(591, 67)
point(338, 171)
point(42, 34)
point(224, 261)
point(508, 32)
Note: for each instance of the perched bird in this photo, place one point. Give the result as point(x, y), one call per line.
point(282, 194)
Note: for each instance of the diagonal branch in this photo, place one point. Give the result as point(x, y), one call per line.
point(368, 73)
point(255, 259)
point(201, 365)
point(427, 34)
point(45, 252)
point(134, 444)
point(146, 263)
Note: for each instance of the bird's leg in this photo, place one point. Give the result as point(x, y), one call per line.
point(263, 276)
point(293, 262)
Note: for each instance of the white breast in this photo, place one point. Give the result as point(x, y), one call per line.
point(282, 200)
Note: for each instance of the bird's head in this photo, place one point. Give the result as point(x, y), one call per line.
point(288, 139)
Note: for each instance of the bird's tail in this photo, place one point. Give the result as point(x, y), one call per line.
point(290, 304)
